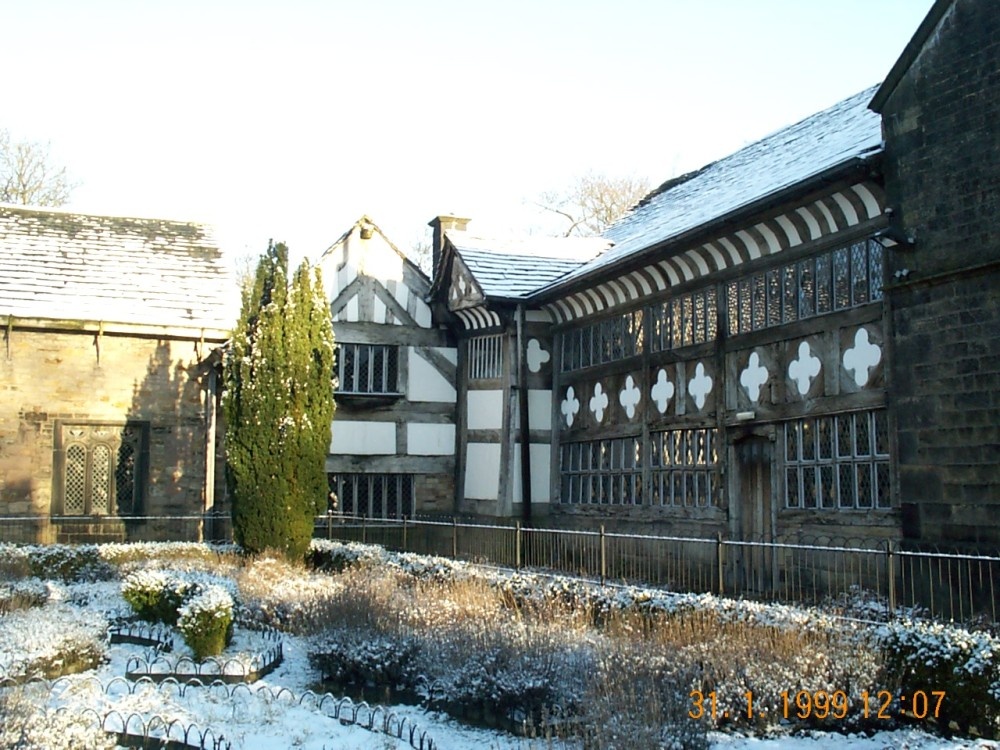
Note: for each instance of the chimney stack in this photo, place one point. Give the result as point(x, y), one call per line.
point(440, 225)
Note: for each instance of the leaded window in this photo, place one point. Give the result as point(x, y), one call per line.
point(835, 280)
point(486, 357)
point(367, 369)
point(385, 496)
point(602, 472)
point(838, 461)
point(99, 470)
point(684, 467)
point(685, 320)
point(608, 340)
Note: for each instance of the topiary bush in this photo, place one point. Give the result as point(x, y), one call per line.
point(206, 621)
point(157, 596)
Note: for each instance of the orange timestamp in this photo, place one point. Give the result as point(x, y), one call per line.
point(820, 705)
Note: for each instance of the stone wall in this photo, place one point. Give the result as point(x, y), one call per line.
point(50, 377)
point(943, 182)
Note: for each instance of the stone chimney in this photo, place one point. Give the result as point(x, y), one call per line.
point(440, 225)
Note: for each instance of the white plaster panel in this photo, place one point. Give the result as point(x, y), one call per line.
point(425, 382)
point(482, 471)
point(540, 458)
point(539, 411)
point(484, 410)
point(423, 314)
point(430, 439)
point(363, 438)
point(378, 310)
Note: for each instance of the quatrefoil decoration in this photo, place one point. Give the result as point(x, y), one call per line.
point(536, 356)
point(804, 369)
point(862, 357)
point(662, 392)
point(753, 377)
point(599, 402)
point(570, 406)
point(629, 397)
point(700, 386)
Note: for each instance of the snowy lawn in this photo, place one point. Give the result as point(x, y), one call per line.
point(491, 645)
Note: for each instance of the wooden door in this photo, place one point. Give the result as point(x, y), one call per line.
point(754, 457)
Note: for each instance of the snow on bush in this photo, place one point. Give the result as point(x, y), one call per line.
point(51, 640)
point(22, 594)
point(965, 665)
point(26, 724)
point(206, 620)
point(155, 595)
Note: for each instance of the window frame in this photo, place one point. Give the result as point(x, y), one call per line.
point(128, 440)
point(349, 355)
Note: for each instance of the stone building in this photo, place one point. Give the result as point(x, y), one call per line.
point(108, 379)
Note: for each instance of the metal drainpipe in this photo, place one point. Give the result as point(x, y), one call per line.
point(522, 399)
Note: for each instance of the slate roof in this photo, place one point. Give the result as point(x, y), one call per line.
point(68, 266)
point(845, 134)
point(513, 269)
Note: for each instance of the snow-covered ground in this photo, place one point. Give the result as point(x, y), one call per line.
point(279, 711)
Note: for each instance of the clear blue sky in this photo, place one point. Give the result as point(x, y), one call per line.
point(290, 119)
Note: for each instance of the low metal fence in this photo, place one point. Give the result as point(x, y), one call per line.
point(951, 584)
point(872, 580)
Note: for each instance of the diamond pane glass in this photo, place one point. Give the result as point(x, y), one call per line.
point(859, 272)
point(794, 497)
point(807, 288)
point(862, 435)
point(759, 302)
point(865, 488)
point(74, 502)
point(808, 440)
point(824, 298)
point(883, 497)
point(828, 487)
point(774, 297)
point(844, 440)
point(876, 270)
point(841, 279)
point(809, 487)
point(789, 295)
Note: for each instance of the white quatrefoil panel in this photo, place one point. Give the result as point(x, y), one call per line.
point(662, 392)
point(536, 356)
point(753, 377)
point(804, 369)
point(700, 386)
point(570, 406)
point(599, 402)
point(862, 357)
point(629, 397)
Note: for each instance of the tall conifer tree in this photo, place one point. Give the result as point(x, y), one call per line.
point(279, 407)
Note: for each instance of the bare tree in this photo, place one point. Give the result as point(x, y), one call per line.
point(594, 201)
point(28, 176)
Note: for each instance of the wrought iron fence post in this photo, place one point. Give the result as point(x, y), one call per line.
point(720, 559)
point(404, 533)
point(454, 538)
point(329, 524)
point(517, 545)
point(890, 575)
point(604, 556)
point(364, 529)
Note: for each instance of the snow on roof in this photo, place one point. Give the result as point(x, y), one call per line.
point(846, 131)
point(514, 268)
point(67, 266)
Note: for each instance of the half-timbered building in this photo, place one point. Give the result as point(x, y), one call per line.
point(393, 446)
point(797, 341)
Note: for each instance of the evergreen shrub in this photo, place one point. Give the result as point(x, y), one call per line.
point(206, 621)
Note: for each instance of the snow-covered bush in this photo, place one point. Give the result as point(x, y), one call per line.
point(26, 725)
point(156, 595)
point(51, 641)
point(22, 594)
point(965, 665)
point(206, 620)
point(358, 659)
point(61, 562)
